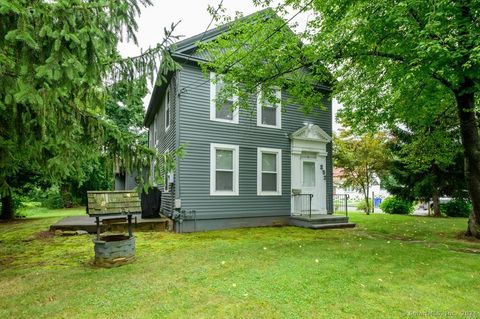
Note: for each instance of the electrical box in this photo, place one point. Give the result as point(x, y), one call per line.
point(178, 203)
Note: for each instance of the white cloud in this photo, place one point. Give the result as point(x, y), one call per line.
point(192, 14)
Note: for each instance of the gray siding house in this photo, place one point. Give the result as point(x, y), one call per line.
point(240, 168)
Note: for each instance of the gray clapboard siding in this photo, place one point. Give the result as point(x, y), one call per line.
point(197, 131)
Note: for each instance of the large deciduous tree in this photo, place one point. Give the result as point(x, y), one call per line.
point(392, 60)
point(397, 54)
point(57, 62)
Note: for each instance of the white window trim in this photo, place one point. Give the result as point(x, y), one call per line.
point(278, 152)
point(213, 104)
point(213, 168)
point(167, 106)
point(278, 109)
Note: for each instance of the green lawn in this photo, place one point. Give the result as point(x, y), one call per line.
point(387, 267)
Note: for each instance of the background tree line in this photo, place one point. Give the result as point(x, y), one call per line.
point(69, 102)
point(412, 164)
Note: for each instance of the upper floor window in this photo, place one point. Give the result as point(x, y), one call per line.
point(269, 114)
point(224, 169)
point(221, 111)
point(167, 109)
point(269, 171)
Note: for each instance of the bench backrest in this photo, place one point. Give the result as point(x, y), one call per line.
point(113, 203)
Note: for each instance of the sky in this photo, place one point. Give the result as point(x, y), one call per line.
point(194, 19)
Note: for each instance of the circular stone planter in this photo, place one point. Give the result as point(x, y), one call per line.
point(114, 250)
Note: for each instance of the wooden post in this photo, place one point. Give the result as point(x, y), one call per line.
point(97, 220)
point(346, 205)
point(129, 225)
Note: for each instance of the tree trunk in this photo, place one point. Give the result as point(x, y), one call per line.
point(436, 203)
point(436, 190)
point(66, 195)
point(8, 211)
point(367, 201)
point(469, 129)
point(367, 187)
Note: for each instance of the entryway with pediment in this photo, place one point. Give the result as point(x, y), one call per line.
point(309, 159)
point(309, 184)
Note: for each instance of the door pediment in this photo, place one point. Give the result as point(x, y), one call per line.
point(311, 132)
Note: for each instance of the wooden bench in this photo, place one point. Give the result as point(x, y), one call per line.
point(113, 203)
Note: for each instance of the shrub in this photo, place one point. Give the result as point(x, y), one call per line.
point(394, 205)
point(52, 198)
point(456, 208)
point(362, 206)
point(17, 201)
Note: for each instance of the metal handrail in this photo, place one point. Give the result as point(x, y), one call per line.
point(309, 197)
point(339, 198)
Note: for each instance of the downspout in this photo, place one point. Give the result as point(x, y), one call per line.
point(177, 137)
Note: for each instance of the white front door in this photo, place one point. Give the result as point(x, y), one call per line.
point(310, 181)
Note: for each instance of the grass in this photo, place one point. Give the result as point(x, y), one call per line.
point(42, 212)
point(387, 267)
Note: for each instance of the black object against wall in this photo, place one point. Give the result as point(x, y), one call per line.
point(151, 203)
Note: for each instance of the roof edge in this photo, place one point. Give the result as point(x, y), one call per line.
point(191, 42)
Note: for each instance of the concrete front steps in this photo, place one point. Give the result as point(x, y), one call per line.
point(321, 222)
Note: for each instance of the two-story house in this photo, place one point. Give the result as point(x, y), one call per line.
point(240, 168)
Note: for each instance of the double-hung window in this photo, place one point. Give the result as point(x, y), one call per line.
point(167, 109)
point(224, 169)
point(222, 111)
point(269, 114)
point(269, 171)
